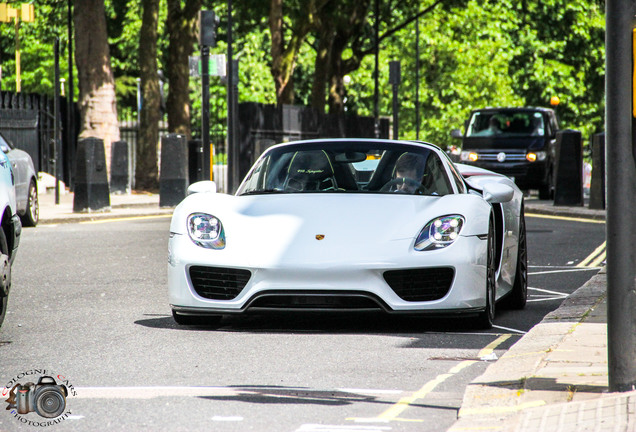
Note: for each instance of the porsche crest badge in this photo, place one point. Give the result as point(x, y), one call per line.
point(320, 236)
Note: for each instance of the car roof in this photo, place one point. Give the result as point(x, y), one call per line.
point(383, 142)
point(513, 109)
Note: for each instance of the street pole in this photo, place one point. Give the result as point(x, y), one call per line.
point(70, 121)
point(208, 23)
point(376, 72)
point(395, 79)
point(202, 166)
point(417, 78)
point(232, 150)
point(56, 115)
point(621, 197)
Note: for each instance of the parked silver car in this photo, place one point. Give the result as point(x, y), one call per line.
point(26, 186)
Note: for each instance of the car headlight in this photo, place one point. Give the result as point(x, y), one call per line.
point(206, 231)
point(439, 232)
point(538, 156)
point(468, 156)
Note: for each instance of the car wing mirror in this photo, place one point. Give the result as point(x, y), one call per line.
point(456, 133)
point(496, 193)
point(206, 186)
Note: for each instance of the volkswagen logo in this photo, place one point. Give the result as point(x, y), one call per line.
point(501, 157)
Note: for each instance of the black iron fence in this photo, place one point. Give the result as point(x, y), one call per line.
point(28, 121)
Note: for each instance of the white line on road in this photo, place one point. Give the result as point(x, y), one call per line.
point(341, 428)
point(569, 270)
point(509, 329)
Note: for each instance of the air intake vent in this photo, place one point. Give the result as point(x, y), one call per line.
point(218, 283)
point(424, 284)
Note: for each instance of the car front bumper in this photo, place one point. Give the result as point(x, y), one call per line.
point(331, 284)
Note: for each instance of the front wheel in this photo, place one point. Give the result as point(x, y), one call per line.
point(519, 295)
point(486, 318)
point(5, 275)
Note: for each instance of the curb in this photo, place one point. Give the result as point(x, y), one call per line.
point(498, 394)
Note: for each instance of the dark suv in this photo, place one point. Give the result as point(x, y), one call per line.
point(516, 142)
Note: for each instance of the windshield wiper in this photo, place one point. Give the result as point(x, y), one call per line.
point(263, 192)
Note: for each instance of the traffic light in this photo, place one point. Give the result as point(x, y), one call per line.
point(209, 22)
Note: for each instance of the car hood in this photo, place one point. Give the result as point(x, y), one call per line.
point(329, 226)
point(503, 143)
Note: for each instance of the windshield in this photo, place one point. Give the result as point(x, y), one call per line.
point(337, 167)
point(506, 124)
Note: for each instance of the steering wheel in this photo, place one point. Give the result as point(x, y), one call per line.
point(418, 188)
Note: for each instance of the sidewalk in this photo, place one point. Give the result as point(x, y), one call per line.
point(121, 206)
point(555, 378)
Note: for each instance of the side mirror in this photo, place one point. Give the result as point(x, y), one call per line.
point(205, 186)
point(496, 193)
point(457, 134)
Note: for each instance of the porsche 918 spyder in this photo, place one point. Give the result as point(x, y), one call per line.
point(350, 225)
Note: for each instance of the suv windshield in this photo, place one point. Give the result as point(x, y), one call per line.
point(506, 124)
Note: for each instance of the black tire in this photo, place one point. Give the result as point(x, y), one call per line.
point(545, 191)
point(486, 318)
point(200, 320)
point(5, 276)
point(519, 295)
point(31, 215)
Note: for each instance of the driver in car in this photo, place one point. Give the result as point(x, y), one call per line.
point(410, 169)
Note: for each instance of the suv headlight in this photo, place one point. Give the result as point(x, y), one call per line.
point(468, 156)
point(536, 156)
point(206, 231)
point(439, 232)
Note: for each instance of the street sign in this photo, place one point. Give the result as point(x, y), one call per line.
point(217, 65)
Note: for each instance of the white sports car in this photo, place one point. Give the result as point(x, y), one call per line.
point(350, 224)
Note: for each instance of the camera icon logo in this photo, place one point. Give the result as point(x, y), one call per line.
point(46, 398)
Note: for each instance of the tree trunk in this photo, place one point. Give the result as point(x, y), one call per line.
point(182, 34)
point(284, 55)
point(321, 72)
point(146, 166)
point(97, 103)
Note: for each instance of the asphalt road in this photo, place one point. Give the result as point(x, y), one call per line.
point(89, 306)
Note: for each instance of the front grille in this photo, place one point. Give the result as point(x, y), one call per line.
point(314, 300)
point(218, 283)
point(425, 284)
point(511, 156)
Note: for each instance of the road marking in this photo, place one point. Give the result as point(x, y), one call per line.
point(547, 295)
point(148, 392)
point(570, 270)
point(227, 418)
point(130, 218)
point(509, 329)
point(369, 392)
point(340, 428)
point(393, 413)
point(595, 258)
point(564, 218)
